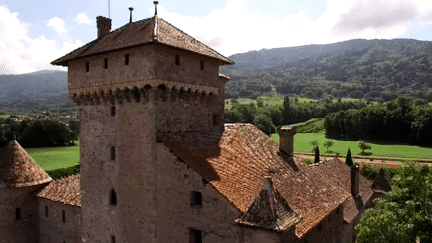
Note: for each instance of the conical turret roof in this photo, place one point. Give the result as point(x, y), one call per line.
point(18, 169)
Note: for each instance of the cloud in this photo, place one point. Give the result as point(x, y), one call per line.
point(83, 19)
point(57, 24)
point(22, 54)
point(235, 29)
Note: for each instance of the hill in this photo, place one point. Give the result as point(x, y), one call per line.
point(42, 90)
point(377, 69)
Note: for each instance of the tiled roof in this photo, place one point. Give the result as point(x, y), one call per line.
point(381, 182)
point(143, 32)
point(18, 169)
point(237, 161)
point(66, 190)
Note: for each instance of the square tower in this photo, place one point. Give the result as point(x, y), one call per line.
point(142, 79)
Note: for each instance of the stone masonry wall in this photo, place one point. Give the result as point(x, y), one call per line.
point(52, 229)
point(25, 229)
point(215, 218)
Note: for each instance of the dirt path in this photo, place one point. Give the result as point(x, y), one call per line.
point(374, 161)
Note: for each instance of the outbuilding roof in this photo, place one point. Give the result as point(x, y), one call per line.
point(148, 31)
point(237, 162)
point(66, 190)
point(18, 169)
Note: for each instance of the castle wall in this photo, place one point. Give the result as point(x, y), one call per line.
point(150, 64)
point(52, 229)
point(131, 173)
point(24, 229)
point(178, 216)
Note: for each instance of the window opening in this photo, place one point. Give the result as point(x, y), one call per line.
point(113, 239)
point(18, 214)
point(87, 66)
point(105, 63)
point(215, 120)
point(113, 111)
point(177, 60)
point(127, 59)
point(202, 65)
point(46, 211)
point(113, 197)
point(196, 199)
point(113, 155)
point(195, 236)
point(63, 216)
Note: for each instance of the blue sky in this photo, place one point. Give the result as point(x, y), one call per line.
point(33, 33)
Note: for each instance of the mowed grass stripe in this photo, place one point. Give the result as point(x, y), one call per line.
point(302, 144)
point(52, 158)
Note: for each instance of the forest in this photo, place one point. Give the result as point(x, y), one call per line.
point(378, 70)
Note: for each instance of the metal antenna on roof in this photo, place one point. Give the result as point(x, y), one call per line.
point(130, 9)
point(155, 3)
point(109, 9)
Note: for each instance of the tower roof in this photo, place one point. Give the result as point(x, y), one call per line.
point(148, 31)
point(18, 169)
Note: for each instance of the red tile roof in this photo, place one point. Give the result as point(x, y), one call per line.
point(18, 169)
point(237, 161)
point(148, 31)
point(66, 190)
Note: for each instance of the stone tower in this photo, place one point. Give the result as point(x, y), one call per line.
point(20, 176)
point(131, 84)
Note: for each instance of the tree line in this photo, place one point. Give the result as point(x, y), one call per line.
point(39, 133)
point(405, 120)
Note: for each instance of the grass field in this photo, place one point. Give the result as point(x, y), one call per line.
point(302, 144)
point(55, 157)
point(268, 100)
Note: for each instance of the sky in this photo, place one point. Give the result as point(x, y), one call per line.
point(34, 33)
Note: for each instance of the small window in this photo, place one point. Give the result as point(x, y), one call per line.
point(105, 63)
point(113, 111)
point(113, 239)
point(215, 120)
point(63, 216)
point(18, 214)
point(202, 65)
point(195, 236)
point(87, 66)
point(113, 197)
point(177, 60)
point(196, 199)
point(113, 155)
point(126, 62)
point(46, 212)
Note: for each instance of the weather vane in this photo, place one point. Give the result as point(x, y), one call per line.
point(155, 3)
point(131, 9)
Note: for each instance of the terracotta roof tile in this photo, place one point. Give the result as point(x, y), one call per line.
point(18, 169)
point(143, 32)
point(237, 161)
point(66, 190)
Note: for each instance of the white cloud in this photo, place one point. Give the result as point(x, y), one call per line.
point(83, 19)
point(57, 24)
point(234, 29)
point(22, 54)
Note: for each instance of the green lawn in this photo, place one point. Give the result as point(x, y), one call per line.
point(55, 157)
point(302, 144)
point(268, 100)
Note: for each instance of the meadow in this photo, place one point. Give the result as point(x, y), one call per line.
point(302, 144)
point(52, 158)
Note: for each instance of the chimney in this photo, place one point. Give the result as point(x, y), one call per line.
point(355, 180)
point(103, 26)
point(286, 139)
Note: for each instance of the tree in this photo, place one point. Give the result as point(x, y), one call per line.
point(348, 159)
point(364, 146)
point(328, 144)
point(317, 155)
point(404, 214)
point(314, 144)
point(286, 111)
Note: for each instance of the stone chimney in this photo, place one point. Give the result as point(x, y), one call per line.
point(355, 180)
point(103, 26)
point(286, 139)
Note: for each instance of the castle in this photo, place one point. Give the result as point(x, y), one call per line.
point(158, 164)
